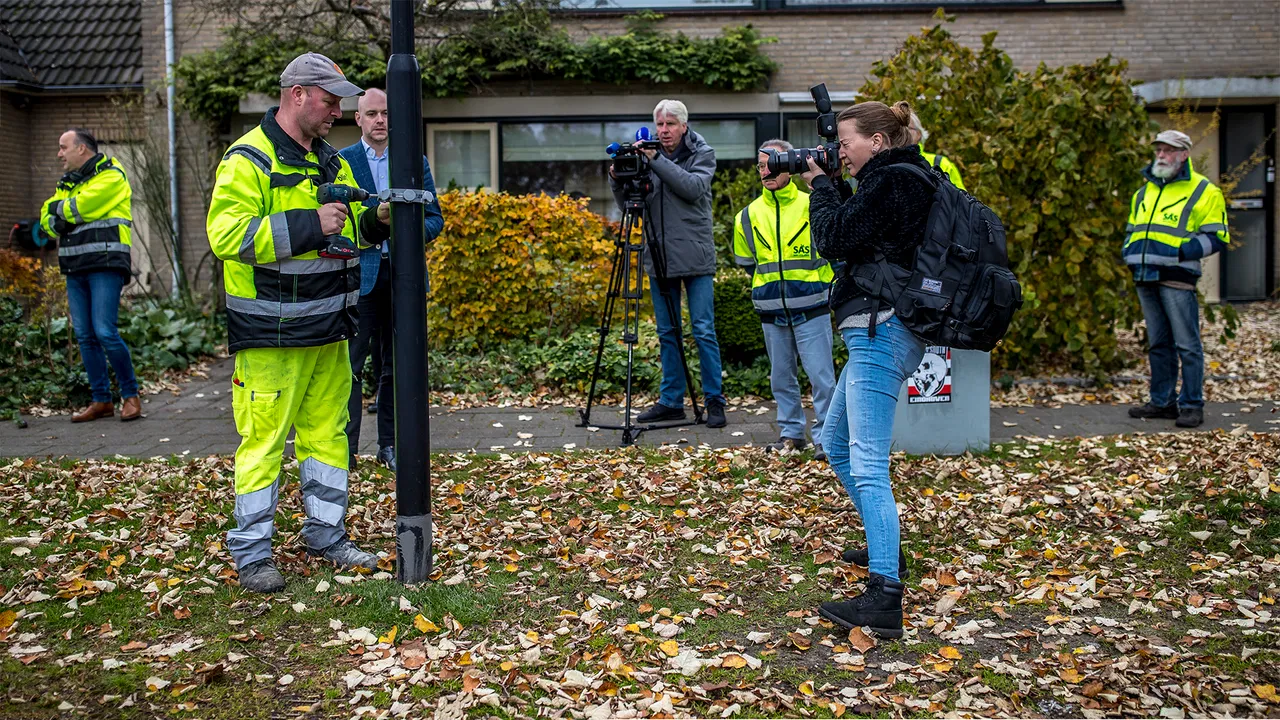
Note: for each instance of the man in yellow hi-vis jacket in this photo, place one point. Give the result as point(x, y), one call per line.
point(1176, 219)
point(90, 216)
point(290, 311)
point(790, 284)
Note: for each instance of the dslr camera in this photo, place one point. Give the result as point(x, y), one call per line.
point(629, 163)
point(826, 155)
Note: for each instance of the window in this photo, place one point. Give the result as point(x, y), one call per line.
point(661, 4)
point(569, 157)
point(463, 155)
point(563, 158)
point(803, 132)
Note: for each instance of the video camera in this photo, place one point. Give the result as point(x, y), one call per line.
point(826, 155)
point(629, 162)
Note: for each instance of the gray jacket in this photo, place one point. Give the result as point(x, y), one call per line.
point(679, 208)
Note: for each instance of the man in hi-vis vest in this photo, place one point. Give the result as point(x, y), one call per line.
point(290, 312)
point(1175, 219)
point(789, 289)
point(91, 217)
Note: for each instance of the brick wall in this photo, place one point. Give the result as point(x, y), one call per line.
point(194, 32)
point(29, 137)
point(16, 193)
point(1160, 38)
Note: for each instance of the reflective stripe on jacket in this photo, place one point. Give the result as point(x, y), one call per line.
point(772, 234)
point(264, 226)
point(90, 215)
point(1172, 225)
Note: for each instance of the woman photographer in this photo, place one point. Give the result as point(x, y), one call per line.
point(883, 222)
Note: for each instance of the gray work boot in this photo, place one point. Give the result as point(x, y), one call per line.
point(261, 577)
point(345, 554)
point(786, 445)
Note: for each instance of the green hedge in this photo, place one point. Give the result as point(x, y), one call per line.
point(1056, 153)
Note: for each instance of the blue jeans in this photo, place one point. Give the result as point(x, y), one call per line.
point(1173, 332)
point(94, 301)
point(702, 313)
point(812, 347)
point(859, 431)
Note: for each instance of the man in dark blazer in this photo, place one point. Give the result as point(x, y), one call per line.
point(372, 170)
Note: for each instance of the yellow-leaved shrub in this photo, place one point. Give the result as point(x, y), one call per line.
point(507, 266)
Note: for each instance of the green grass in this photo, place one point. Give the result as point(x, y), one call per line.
point(579, 538)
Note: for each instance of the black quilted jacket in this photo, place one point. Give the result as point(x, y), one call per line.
point(886, 216)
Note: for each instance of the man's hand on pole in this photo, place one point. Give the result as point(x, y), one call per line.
point(384, 213)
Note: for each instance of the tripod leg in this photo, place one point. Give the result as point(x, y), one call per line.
point(616, 286)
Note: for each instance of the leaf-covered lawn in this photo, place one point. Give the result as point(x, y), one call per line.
point(1133, 576)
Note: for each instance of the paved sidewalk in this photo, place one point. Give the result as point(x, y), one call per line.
point(198, 422)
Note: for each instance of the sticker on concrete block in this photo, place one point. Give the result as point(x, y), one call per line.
point(931, 382)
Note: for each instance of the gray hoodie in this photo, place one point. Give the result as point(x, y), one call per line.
point(679, 207)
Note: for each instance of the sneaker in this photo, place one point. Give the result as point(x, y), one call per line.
point(879, 608)
point(786, 445)
point(862, 558)
point(818, 453)
point(387, 457)
point(1154, 412)
point(1190, 417)
point(345, 554)
point(661, 413)
point(261, 577)
point(373, 408)
point(715, 413)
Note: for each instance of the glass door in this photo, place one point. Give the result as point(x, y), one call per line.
point(1248, 143)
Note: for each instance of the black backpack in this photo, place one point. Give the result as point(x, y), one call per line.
point(959, 291)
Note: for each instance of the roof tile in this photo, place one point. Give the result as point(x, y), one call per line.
point(71, 42)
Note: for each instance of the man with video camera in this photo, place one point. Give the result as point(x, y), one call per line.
point(678, 213)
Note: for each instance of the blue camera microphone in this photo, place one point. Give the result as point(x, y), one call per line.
point(613, 149)
point(642, 134)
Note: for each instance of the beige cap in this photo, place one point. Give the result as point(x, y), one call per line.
point(315, 69)
point(1174, 138)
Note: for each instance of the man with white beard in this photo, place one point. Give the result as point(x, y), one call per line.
point(1176, 219)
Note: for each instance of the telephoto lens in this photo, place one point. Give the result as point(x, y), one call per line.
point(797, 160)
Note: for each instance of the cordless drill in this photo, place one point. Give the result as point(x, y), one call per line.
point(339, 247)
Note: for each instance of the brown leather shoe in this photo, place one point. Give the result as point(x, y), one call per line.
point(131, 409)
point(94, 411)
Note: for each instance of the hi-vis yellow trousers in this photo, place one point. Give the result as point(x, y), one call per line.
point(273, 390)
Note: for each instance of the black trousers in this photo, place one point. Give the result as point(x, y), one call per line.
point(375, 323)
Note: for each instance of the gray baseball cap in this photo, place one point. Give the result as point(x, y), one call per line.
point(316, 69)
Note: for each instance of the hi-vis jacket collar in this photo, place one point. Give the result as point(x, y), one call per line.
point(289, 152)
point(1183, 174)
point(91, 167)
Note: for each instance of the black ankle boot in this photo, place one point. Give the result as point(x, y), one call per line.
point(862, 558)
point(879, 607)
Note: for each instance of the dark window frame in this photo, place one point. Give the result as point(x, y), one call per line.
point(766, 125)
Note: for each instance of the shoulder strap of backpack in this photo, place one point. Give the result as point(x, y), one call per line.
point(885, 273)
point(921, 173)
point(937, 160)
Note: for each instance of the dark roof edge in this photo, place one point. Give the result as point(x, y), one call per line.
point(31, 89)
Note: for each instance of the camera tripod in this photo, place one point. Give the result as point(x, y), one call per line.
point(627, 282)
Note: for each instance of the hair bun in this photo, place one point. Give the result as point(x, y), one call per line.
point(902, 112)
